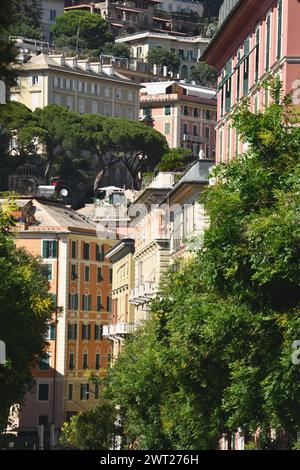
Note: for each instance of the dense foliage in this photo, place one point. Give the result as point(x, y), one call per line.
point(217, 354)
point(82, 31)
point(76, 148)
point(92, 429)
point(204, 74)
point(164, 58)
point(25, 308)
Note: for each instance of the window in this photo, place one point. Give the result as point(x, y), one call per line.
point(208, 114)
point(86, 251)
point(98, 333)
point(57, 99)
point(74, 249)
point(71, 361)
point(238, 75)
point(147, 111)
point(35, 100)
point(51, 332)
point(130, 96)
point(279, 30)
point(108, 304)
point(94, 107)
point(196, 112)
point(35, 80)
point(119, 110)
point(99, 252)
point(246, 66)
point(73, 272)
point(118, 93)
point(52, 15)
point(79, 86)
point(43, 420)
point(70, 102)
point(86, 273)
point(97, 361)
point(185, 128)
point(86, 332)
point(48, 271)
point(268, 39)
point(106, 109)
point(257, 41)
point(81, 107)
point(167, 128)
point(130, 113)
point(107, 92)
point(99, 303)
point(73, 301)
point(190, 55)
point(181, 54)
point(72, 331)
point(167, 109)
point(207, 133)
point(86, 302)
point(99, 275)
point(85, 360)
point(195, 129)
point(84, 391)
point(44, 363)
point(70, 391)
point(49, 248)
point(185, 110)
point(93, 88)
point(227, 86)
point(43, 392)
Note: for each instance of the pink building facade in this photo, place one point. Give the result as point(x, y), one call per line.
point(185, 114)
point(256, 38)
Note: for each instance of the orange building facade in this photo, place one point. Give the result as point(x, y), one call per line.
point(80, 280)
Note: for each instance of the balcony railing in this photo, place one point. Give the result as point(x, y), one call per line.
point(192, 138)
point(118, 329)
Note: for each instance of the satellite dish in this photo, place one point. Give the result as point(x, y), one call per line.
point(64, 192)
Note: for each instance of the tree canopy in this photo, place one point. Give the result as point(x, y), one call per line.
point(26, 308)
point(217, 354)
point(204, 74)
point(82, 31)
point(76, 148)
point(163, 57)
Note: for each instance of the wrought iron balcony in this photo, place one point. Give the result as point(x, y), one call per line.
point(118, 329)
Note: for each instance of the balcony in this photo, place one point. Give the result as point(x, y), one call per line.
point(118, 329)
point(192, 138)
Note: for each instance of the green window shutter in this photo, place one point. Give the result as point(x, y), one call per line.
point(69, 301)
point(52, 332)
point(54, 248)
point(89, 331)
point(76, 301)
point(99, 303)
point(69, 331)
point(45, 249)
point(75, 331)
point(89, 302)
point(83, 303)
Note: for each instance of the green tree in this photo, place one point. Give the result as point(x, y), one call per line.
point(81, 31)
point(92, 429)
point(26, 308)
point(27, 16)
point(117, 50)
point(136, 145)
point(163, 57)
point(218, 348)
point(175, 159)
point(204, 74)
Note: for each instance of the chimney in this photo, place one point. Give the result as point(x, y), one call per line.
point(71, 62)
point(96, 67)
point(83, 64)
point(58, 58)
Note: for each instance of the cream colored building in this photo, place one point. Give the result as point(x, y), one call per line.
point(152, 246)
point(80, 85)
point(189, 49)
point(123, 312)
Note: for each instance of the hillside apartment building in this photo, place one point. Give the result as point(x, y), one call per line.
point(256, 38)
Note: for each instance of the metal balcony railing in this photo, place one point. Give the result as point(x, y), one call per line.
point(118, 329)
